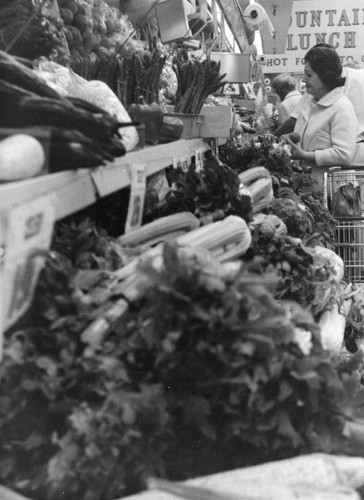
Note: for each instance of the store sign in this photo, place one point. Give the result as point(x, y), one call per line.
point(341, 24)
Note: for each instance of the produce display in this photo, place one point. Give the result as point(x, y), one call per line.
point(29, 31)
point(206, 353)
point(196, 80)
point(294, 199)
point(131, 74)
point(199, 352)
point(212, 192)
point(258, 181)
point(93, 27)
point(81, 134)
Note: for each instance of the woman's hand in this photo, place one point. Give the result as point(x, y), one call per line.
point(297, 153)
point(295, 149)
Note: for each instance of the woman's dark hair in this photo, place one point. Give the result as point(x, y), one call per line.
point(325, 61)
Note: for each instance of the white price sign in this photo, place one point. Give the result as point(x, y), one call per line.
point(137, 197)
point(199, 157)
point(182, 163)
point(26, 236)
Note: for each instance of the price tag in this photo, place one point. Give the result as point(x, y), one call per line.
point(199, 159)
point(176, 163)
point(137, 197)
point(182, 163)
point(185, 161)
point(26, 233)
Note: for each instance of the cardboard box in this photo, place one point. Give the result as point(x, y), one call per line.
point(172, 20)
point(218, 121)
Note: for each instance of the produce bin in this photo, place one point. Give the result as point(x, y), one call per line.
point(191, 124)
point(218, 121)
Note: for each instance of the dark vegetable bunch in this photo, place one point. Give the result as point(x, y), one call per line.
point(263, 150)
point(238, 155)
point(298, 219)
point(301, 278)
point(310, 207)
point(354, 330)
point(88, 246)
point(108, 213)
point(196, 81)
point(324, 221)
point(212, 190)
point(42, 34)
point(130, 74)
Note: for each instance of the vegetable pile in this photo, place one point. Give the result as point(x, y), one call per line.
point(93, 27)
point(130, 75)
point(211, 191)
point(301, 276)
point(294, 201)
point(202, 358)
point(196, 80)
point(27, 30)
point(80, 134)
point(209, 364)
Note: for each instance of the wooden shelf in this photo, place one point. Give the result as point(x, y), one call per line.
point(73, 190)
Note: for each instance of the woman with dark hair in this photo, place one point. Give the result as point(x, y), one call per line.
point(328, 126)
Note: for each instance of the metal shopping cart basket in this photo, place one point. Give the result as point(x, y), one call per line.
point(344, 195)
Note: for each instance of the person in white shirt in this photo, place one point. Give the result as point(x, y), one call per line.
point(327, 124)
point(284, 85)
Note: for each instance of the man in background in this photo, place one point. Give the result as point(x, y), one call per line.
point(284, 85)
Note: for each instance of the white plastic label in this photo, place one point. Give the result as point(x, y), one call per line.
point(27, 233)
point(182, 163)
point(199, 159)
point(137, 197)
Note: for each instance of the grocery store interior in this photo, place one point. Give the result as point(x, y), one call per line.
point(182, 251)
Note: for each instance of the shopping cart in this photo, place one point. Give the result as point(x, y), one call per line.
point(349, 217)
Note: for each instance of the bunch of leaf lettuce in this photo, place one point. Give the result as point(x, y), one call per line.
point(301, 275)
point(298, 219)
point(213, 188)
point(263, 150)
point(308, 214)
point(207, 373)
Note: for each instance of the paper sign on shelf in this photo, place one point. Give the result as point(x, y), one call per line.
point(182, 163)
point(138, 186)
point(26, 233)
point(177, 162)
point(199, 157)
